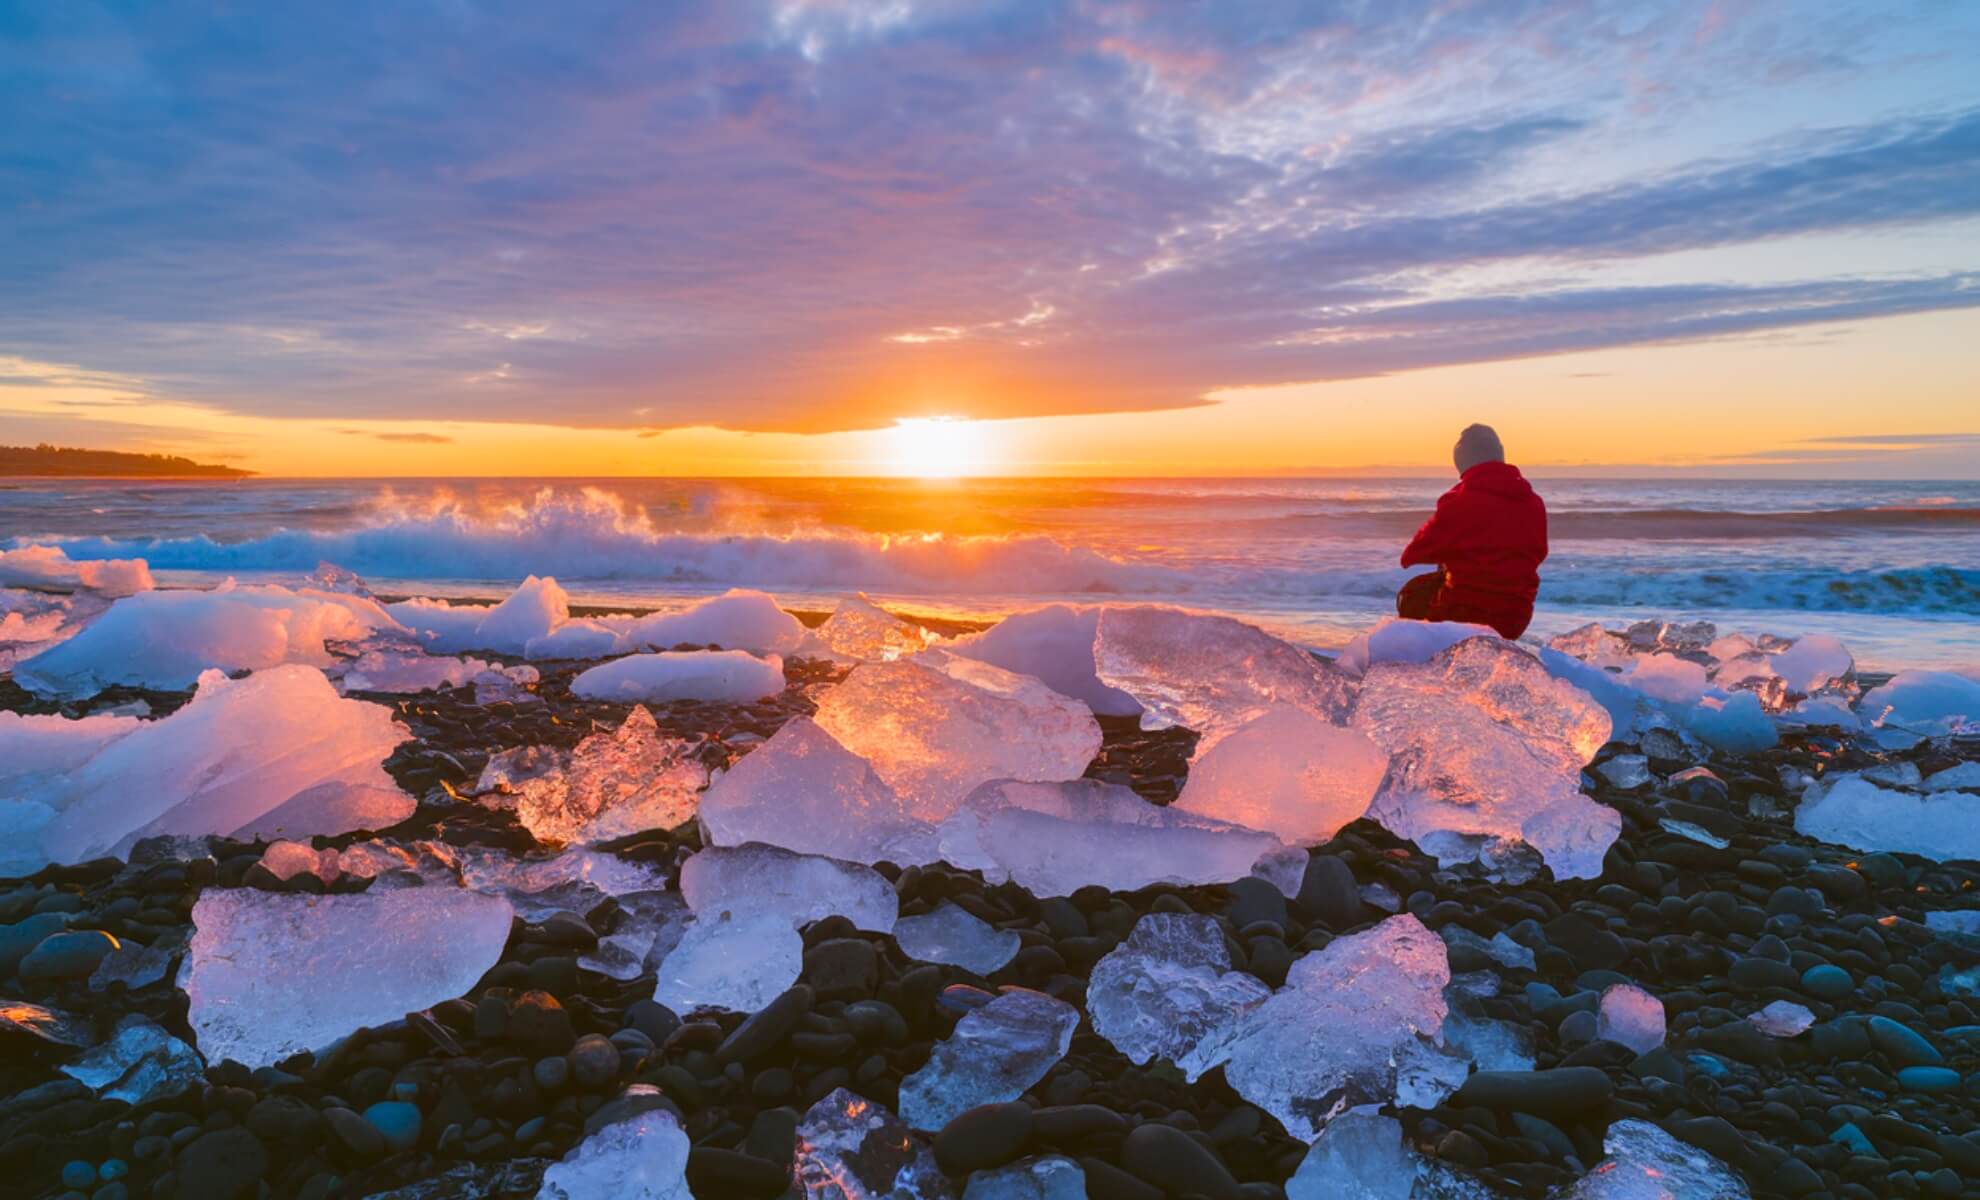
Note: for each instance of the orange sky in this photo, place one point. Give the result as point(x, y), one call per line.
point(1760, 403)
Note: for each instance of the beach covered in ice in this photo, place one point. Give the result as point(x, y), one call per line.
point(1090, 901)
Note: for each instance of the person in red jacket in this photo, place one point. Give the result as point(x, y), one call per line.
point(1487, 539)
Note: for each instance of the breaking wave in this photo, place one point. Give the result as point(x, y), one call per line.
point(591, 535)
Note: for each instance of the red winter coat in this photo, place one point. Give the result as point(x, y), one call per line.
point(1489, 535)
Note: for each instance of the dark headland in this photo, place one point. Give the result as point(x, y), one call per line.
point(73, 461)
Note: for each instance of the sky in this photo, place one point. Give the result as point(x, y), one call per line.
point(943, 236)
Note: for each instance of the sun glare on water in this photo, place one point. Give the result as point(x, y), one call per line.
point(936, 447)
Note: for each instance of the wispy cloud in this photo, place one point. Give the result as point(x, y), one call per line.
point(811, 216)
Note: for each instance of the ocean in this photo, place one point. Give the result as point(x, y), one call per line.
point(1893, 568)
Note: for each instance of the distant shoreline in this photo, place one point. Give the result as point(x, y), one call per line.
point(44, 461)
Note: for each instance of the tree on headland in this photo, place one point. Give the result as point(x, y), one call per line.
point(45, 459)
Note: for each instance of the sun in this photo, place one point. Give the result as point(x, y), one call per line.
point(936, 447)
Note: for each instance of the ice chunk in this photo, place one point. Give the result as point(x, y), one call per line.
point(1396, 639)
point(952, 935)
point(286, 860)
point(642, 1157)
point(1965, 777)
point(612, 784)
point(132, 965)
point(1645, 1163)
point(401, 672)
point(650, 925)
point(271, 974)
point(758, 880)
point(239, 751)
point(1595, 645)
point(1630, 711)
point(936, 725)
point(861, 631)
point(995, 1054)
point(1486, 750)
point(328, 809)
point(1211, 674)
point(803, 791)
point(1493, 1045)
point(1289, 773)
point(1668, 678)
point(1737, 724)
point(1964, 922)
point(1284, 868)
point(1783, 1019)
point(738, 619)
point(1055, 838)
point(1500, 949)
point(166, 639)
point(37, 750)
point(573, 881)
point(1050, 1177)
point(1166, 987)
point(1358, 1156)
point(329, 577)
point(1630, 1016)
point(533, 610)
point(735, 963)
point(1626, 771)
point(1359, 1022)
point(1849, 810)
point(1054, 644)
point(1813, 664)
point(852, 1148)
point(140, 1063)
point(51, 567)
point(575, 639)
point(1922, 704)
point(710, 676)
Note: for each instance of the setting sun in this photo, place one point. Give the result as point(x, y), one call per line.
point(936, 447)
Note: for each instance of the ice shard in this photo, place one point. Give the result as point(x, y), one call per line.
point(611, 785)
point(51, 567)
point(1645, 1163)
point(1358, 1156)
point(1782, 1019)
point(1053, 644)
point(400, 671)
point(708, 676)
point(272, 974)
point(1398, 639)
point(1049, 1177)
point(861, 631)
point(140, 1063)
point(650, 925)
point(1055, 838)
point(1211, 674)
point(1169, 985)
point(1359, 1022)
point(1630, 1016)
point(996, 1052)
point(241, 750)
point(852, 1148)
point(954, 936)
point(759, 880)
point(1486, 751)
point(642, 1157)
point(738, 619)
point(166, 639)
point(803, 791)
point(1849, 810)
point(1917, 705)
point(937, 725)
point(1289, 773)
point(735, 963)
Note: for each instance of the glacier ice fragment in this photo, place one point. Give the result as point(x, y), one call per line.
point(804, 791)
point(1783, 1019)
point(1645, 1163)
point(1166, 987)
point(996, 1052)
point(51, 567)
point(852, 1148)
point(1916, 705)
point(1630, 1016)
point(861, 631)
point(1289, 773)
point(1053, 644)
point(759, 880)
point(1049, 1177)
point(1211, 674)
point(954, 936)
point(738, 619)
point(271, 974)
point(611, 785)
point(642, 1157)
point(140, 1063)
point(708, 676)
point(1849, 810)
point(937, 725)
point(735, 963)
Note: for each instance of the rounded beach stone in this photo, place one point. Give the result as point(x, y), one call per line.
point(69, 955)
point(594, 1062)
point(224, 1164)
point(1826, 981)
point(988, 1135)
point(397, 1121)
point(1176, 1162)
